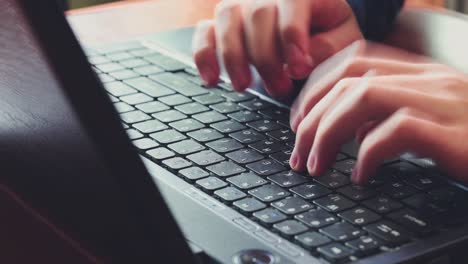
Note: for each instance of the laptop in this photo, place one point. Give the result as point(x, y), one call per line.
point(122, 149)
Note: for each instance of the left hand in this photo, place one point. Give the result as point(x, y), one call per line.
point(407, 104)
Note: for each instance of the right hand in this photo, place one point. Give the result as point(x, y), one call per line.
point(282, 39)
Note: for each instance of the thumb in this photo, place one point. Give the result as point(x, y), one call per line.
point(325, 44)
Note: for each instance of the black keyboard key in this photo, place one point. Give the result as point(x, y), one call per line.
point(238, 97)
point(160, 153)
point(403, 170)
point(266, 167)
point(167, 136)
point(412, 221)
point(142, 52)
point(365, 245)
point(312, 240)
point(194, 173)
point(123, 74)
point(342, 231)
point(226, 107)
point(229, 194)
point(118, 56)
point(133, 134)
point(359, 216)
point(245, 116)
point(175, 99)
point(169, 116)
point(165, 62)
point(205, 135)
point(247, 181)
point(290, 227)
point(191, 108)
point(334, 203)
point(177, 163)
point(310, 191)
point(268, 146)
point(340, 156)
point(225, 169)
point(264, 125)
point(224, 145)
point(150, 126)
point(282, 157)
point(228, 126)
point(255, 105)
point(382, 204)
point(118, 89)
point(389, 232)
point(423, 182)
point(317, 218)
point(282, 135)
point(146, 70)
point(288, 179)
point(186, 125)
point(269, 193)
point(134, 117)
point(209, 117)
point(292, 205)
point(145, 143)
point(426, 205)
point(186, 147)
point(133, 63)
point(205, 158)
point(209, 99)
point(269, 216)
point(335, 252)
point(351, 149)
point(137, 98)
point(109, 67)
point(398, 190)
point(333, 180)
point(247, 136)
point(211, 184)
point(357, 192)
point(244, 156)
point(152, 107)
point(179, 84)
point(345, 166)
point(276, 114)
point(149, 87)
point(249, 205)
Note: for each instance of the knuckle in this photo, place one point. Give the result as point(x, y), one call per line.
point(258, 10)
point(226, 8)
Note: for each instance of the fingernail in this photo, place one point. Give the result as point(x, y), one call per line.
point(355, 175)
point(313, 165)
point(293, 161)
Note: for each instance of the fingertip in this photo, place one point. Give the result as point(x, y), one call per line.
point(209, 76)
point(299, 63)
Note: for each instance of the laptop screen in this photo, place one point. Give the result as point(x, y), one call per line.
point(62, 147)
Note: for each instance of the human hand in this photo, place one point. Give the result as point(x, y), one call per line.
point(283, 39)
point(406, 104)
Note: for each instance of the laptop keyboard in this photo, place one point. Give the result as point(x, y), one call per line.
point(236, 148)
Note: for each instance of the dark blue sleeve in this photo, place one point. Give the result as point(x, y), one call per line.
point(375, 17)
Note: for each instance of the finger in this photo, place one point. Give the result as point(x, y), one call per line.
point(370, 101)
point(294, 26)
point(365, 129)
point(204, 52)
point(406, 130)
point(263, 46)
point(320, 82)
point(306, 130)
point(229, 34)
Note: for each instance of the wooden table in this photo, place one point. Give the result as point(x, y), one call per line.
point(125, 19)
